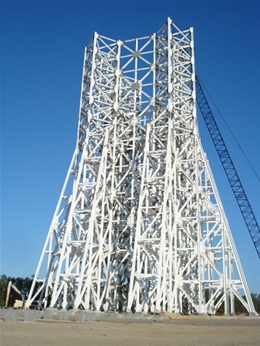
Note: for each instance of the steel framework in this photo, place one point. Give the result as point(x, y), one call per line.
point(139, 225)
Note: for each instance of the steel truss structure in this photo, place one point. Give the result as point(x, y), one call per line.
point(139, 225)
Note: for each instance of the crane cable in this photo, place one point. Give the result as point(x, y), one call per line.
point(234, 137)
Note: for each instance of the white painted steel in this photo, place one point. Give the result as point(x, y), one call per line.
point(139, 225)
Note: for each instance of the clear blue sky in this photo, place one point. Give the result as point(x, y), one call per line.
point(42, 45)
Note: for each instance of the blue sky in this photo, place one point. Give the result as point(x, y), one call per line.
point(42, 46)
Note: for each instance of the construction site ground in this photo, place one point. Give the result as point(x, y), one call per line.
point(136, 330)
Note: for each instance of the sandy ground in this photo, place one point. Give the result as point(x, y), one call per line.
point(184, 331)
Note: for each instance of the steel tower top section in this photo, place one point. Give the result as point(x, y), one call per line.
point(137, 76)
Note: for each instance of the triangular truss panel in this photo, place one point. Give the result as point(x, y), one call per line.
point(139, 225)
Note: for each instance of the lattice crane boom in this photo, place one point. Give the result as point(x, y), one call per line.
point(229, 168)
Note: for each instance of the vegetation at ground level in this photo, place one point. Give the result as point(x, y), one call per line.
point(24, 285)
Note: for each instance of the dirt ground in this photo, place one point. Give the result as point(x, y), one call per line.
point(184, 331)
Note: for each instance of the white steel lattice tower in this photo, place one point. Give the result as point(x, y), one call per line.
point(139, 224)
